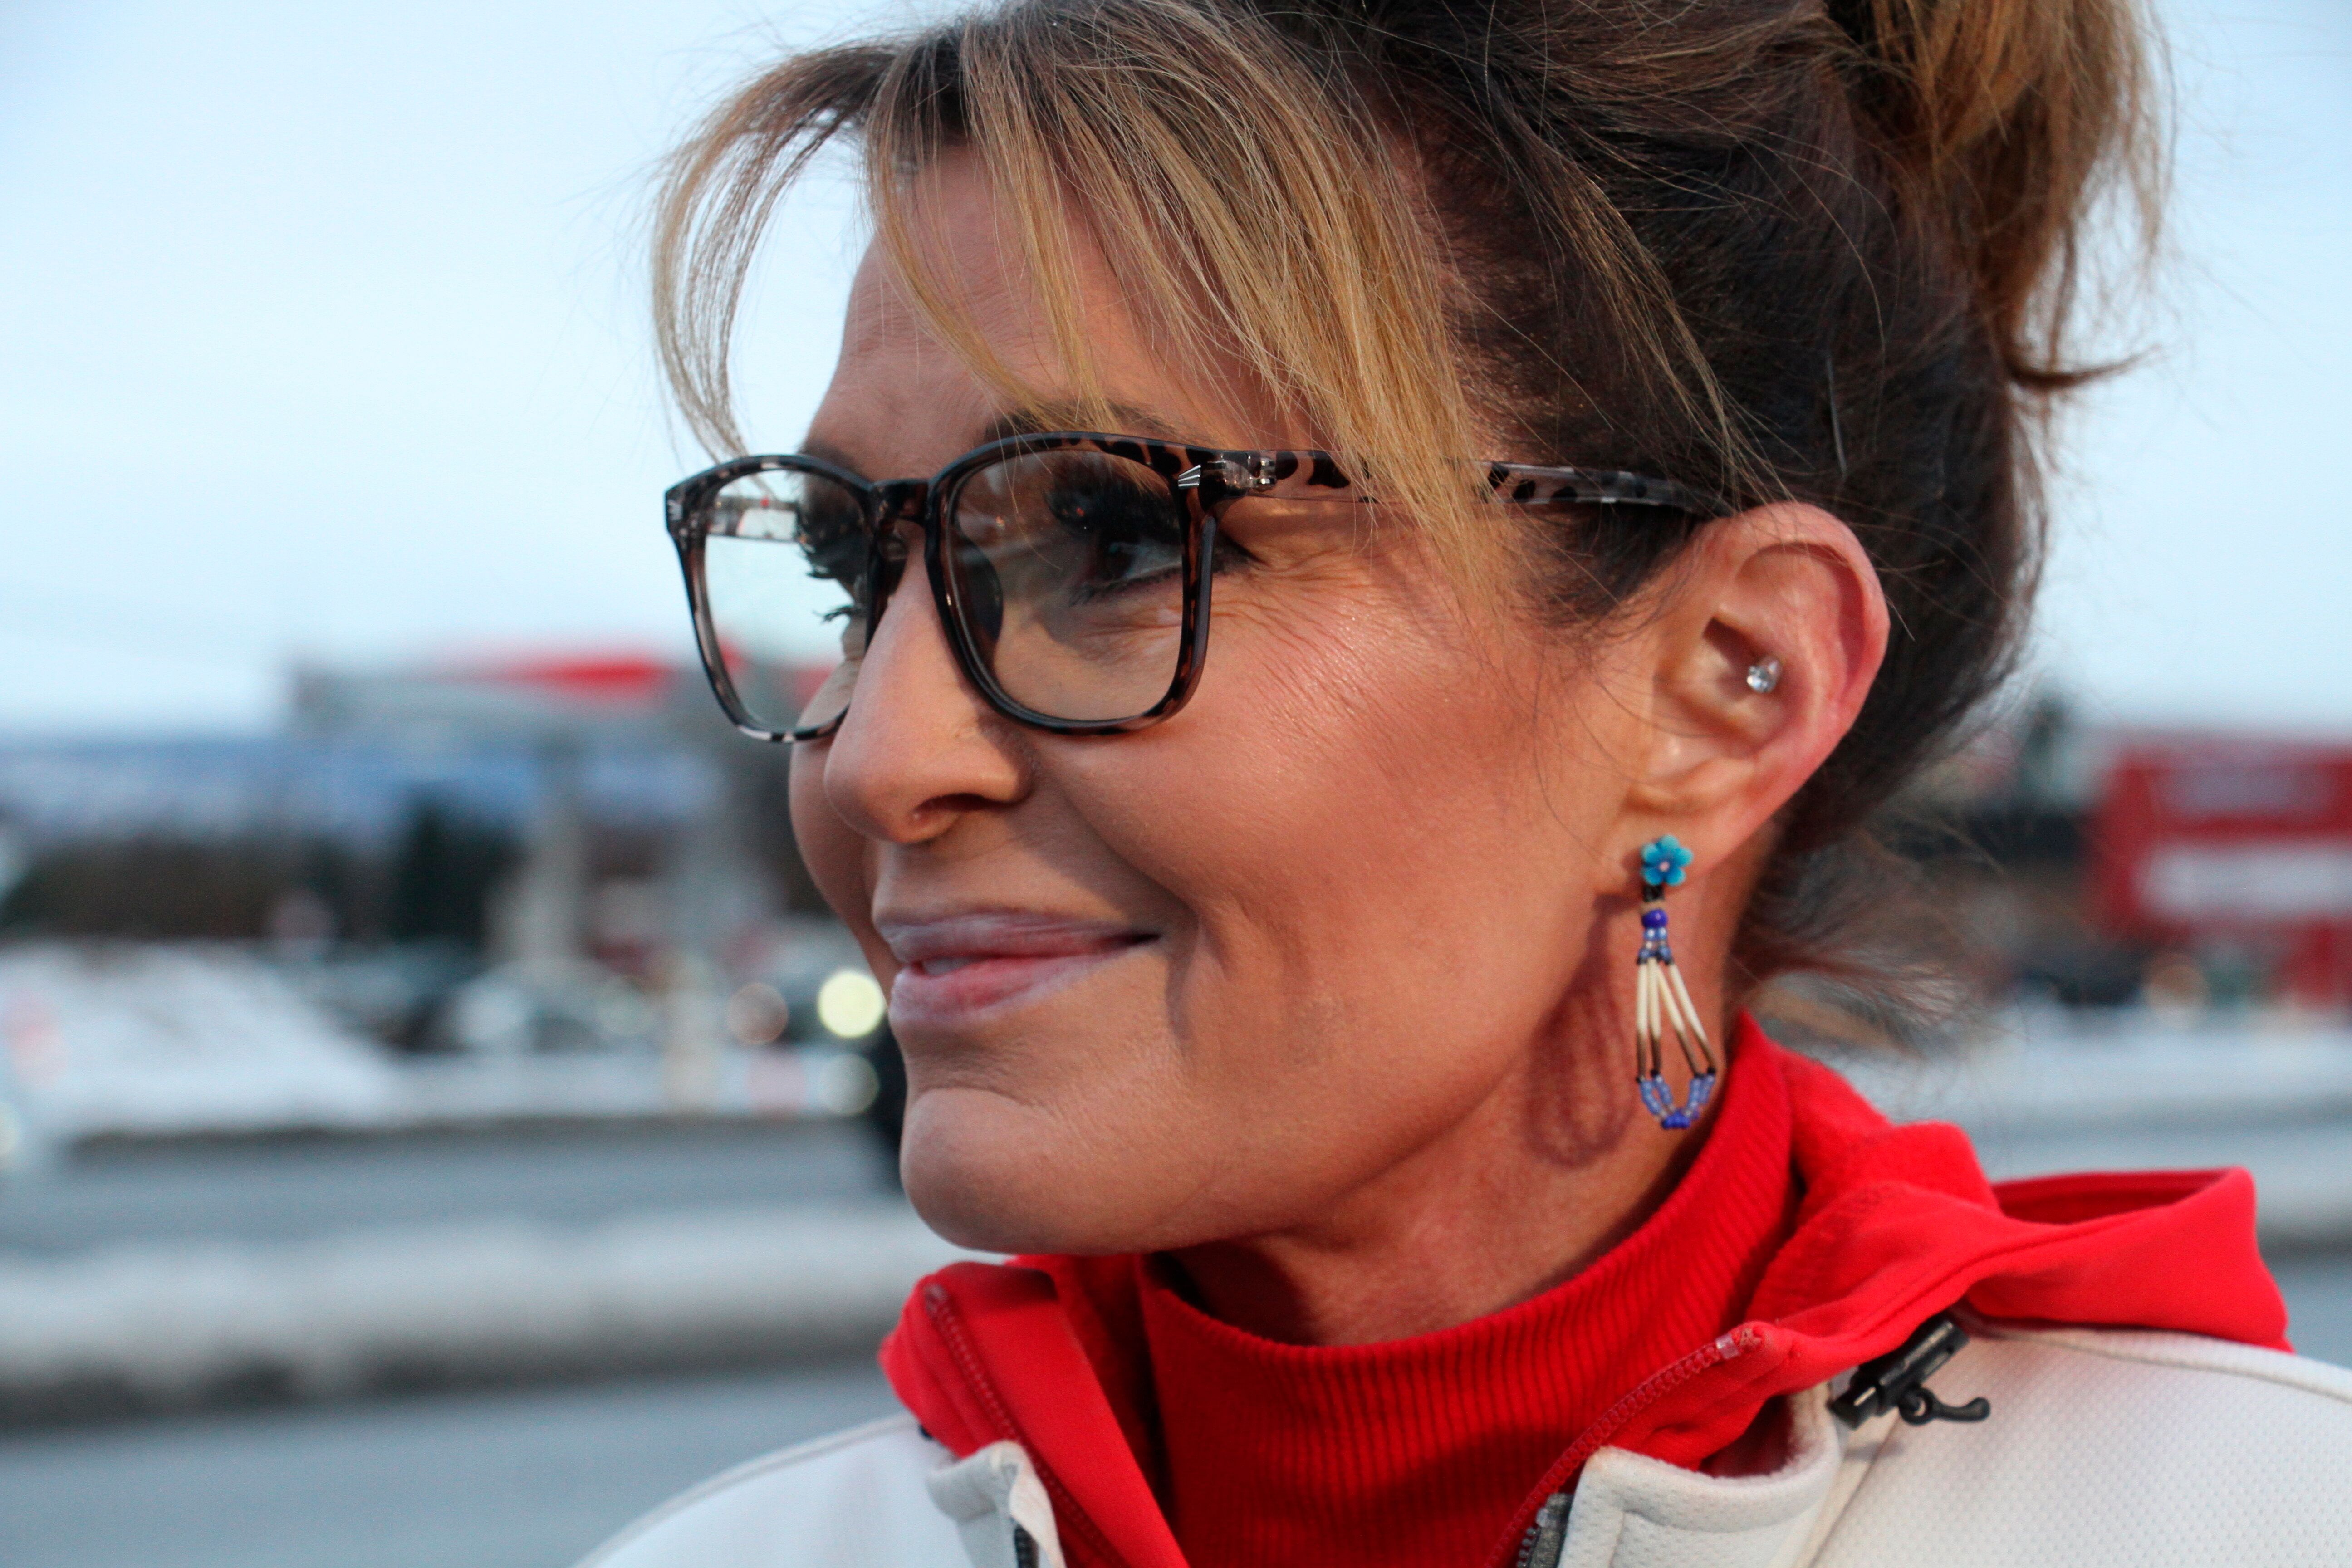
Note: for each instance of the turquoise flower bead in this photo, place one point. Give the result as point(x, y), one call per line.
point(1663, 862)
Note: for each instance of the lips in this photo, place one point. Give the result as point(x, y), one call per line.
point(956, 968)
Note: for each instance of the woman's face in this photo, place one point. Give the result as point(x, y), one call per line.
point(1207, 979)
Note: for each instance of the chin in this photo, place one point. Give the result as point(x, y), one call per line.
point(997, 1175)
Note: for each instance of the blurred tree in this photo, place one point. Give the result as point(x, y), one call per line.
point(160, 888)
point(442, 874)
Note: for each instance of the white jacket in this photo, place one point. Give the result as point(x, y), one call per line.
point(2136, 1450)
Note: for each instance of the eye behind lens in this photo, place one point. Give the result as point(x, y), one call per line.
point(1068, 571)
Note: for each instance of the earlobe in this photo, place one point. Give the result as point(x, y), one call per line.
point(1765, 649)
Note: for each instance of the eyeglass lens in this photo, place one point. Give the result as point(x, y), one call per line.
point(1065, 569)
point(783, 557)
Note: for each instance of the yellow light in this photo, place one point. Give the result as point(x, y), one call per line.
point(850, 1005)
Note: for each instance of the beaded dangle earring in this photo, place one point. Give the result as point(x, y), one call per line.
point(1661, 1000)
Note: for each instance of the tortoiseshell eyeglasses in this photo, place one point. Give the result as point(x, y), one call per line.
point(1071, 570)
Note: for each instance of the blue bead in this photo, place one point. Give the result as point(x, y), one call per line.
point(1655, 1097)
point(1653, 920)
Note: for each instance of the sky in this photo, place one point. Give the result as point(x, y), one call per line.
point(322, 337)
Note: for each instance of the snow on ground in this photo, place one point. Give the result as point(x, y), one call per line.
point(182, 1037)
point(163, 1325)
point(162, 1039)
point(2048, 1071)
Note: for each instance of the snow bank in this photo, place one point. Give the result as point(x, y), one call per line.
point(158, 1327)
point(177, 1039)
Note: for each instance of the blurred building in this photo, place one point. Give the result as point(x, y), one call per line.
point(632, 839)
point(2104, 866)
point(2237, 853)
point(586, 829)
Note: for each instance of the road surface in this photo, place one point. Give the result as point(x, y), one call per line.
point(490, 1480)
point(287, 1189)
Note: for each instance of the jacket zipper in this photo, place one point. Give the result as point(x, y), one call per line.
point(942, 1311)
point(941, 1308)
point(1540, 1532)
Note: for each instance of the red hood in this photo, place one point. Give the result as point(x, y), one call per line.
point(1898, 1224)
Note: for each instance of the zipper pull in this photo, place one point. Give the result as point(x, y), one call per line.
point(1547, 1536)
point(1896, 1381)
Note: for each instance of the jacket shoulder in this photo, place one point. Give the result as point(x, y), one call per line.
point(2109, 1448)
point(855, 1499)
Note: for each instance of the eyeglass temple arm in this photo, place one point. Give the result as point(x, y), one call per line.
point(1314, 475)
point(1533, 484)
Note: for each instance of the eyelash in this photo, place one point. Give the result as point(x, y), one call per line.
point(1225, 558)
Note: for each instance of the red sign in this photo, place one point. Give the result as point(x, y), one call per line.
point(2233, 840)
point(622, 679)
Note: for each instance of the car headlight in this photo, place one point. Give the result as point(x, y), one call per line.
point(850, 1005)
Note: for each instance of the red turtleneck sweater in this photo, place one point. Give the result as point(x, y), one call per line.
point(1420, 1450)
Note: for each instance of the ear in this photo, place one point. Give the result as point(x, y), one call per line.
point(1786, 582)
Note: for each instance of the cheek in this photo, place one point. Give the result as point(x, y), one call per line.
point(1389, 871)
point(1363, 782)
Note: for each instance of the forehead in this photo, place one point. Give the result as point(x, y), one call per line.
point(907, 399)
point(901, 403)
point(968, 242)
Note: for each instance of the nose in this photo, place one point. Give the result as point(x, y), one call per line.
point(919, 749)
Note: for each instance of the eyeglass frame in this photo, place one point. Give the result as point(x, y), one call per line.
point(1205, 480)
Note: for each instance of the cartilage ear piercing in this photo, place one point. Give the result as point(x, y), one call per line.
point(1661, 1000)
point(1764, 675)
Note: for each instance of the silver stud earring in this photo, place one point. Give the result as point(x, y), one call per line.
point(1764, 675)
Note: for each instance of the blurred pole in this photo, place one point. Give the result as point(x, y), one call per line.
point(716, 893)
point(15, 859)
point(539, 922)
point(692, 1015)
point(714, 897)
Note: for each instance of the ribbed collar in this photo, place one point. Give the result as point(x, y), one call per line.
point(1418, 1451)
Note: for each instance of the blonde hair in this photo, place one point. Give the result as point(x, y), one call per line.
point(1291, 236)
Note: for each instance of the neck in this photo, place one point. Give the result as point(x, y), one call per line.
point(1552, 1169)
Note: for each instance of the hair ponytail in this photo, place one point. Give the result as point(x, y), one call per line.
point(2009, 118)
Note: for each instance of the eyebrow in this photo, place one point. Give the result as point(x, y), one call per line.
point(1127, 419)
point(825, 451)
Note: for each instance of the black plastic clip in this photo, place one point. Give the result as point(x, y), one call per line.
point(1895, 1381)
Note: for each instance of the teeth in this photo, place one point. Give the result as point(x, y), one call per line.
point(944, 965)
